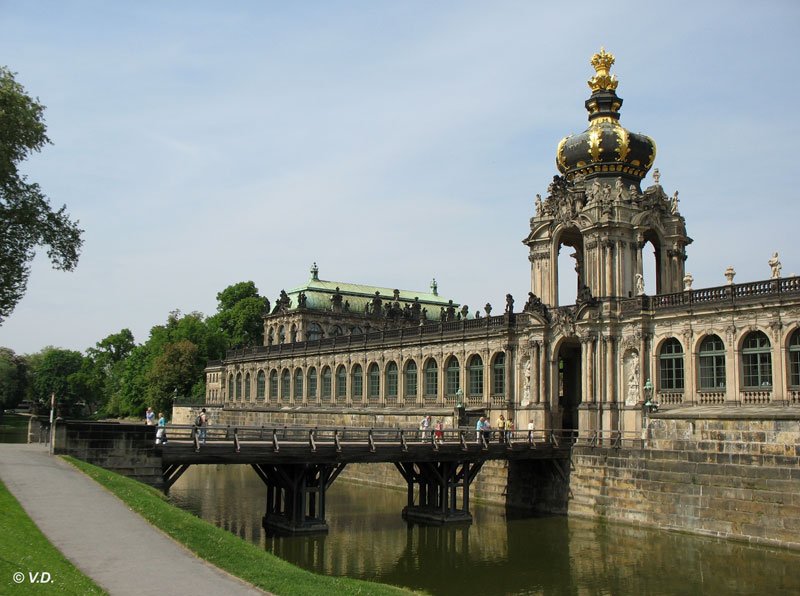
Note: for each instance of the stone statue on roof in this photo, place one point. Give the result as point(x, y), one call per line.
point(336, 300)
point(509, 304)
point(775, 265)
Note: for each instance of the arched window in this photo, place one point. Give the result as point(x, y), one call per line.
point(373, 381)
point(794, 359)
point(452, 376)
point(281, 334)
point(475, 384)
point(285, 385)
point(499, 374)
point(711, 363)
point(336, 331)
point(341, 382)
point(247, 387)
point(273, 384)
point(757, 360)
point(271, 336)
point(238, 386)
point(314, 332)
point(231, 394)
point(298, 384)
point(431, 387)
point(391, 380)
point(358, 382)
point(293, 333)
point(312, 383)
point(671, 365)
point(327, 378)
point(356, 330)
point(411, 379)
point(261, 385)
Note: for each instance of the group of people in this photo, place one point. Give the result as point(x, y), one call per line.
point(150, 420)
point(504, 428)
point(161, 434)
point(425, 426)
point(483, 429)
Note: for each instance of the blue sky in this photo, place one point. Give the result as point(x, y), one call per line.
point(202, 144)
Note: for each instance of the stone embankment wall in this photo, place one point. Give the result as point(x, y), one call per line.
point(732, 478)
point(128, 449)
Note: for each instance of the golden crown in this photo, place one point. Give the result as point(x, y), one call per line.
point(602, 80)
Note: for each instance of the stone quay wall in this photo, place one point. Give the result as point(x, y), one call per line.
point(735, 477)
point(128, 449)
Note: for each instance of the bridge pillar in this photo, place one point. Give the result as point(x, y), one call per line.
point(296, 495)
point(437, 485)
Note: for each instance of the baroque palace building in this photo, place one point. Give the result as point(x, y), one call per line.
point(391, 354)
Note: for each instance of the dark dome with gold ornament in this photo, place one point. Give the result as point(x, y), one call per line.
point(605, 149)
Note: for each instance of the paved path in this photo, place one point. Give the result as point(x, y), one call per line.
point(110, 543)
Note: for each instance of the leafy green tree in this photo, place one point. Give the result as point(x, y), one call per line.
point(55, 373)
point(27, 220)
point(13, 379)
point(240, 315)
point(103, 369)
point(174, 372)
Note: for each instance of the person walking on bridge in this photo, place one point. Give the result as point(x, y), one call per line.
point(501, 429)
point(202, 422)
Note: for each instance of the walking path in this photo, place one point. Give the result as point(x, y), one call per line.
point(114, 546)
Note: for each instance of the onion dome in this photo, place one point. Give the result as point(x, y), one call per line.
point(605, 149)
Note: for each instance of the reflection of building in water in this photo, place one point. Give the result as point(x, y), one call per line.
point(350, 354)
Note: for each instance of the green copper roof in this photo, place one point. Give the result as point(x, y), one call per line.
point(319, 292)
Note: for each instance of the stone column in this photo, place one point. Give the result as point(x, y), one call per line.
point(534, 388)
point(509, 376)
point(543, 393)
point(689, 376)
point(609, 258)
point(778, 364)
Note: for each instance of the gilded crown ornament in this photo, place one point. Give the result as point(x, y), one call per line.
point(602, 80)
point(605, 149)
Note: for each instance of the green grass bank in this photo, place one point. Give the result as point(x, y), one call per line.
point(25, 550)
point(225, 550)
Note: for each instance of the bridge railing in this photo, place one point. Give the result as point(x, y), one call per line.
point(313, 436)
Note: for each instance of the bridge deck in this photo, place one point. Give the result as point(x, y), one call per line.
point(293, 445)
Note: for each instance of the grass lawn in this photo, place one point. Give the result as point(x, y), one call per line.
point(225, 550)
point(24, 549)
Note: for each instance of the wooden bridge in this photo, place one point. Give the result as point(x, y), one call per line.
point(299, 463)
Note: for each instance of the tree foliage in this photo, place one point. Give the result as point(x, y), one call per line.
point(240, 311)
point(27, 220)
point(12, 378)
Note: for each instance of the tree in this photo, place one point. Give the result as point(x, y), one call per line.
point(175, 372)
point(55, 373)
point(27, 220)
point(12, 379)
point(240, 314)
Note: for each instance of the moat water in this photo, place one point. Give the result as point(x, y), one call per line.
point(495, 555)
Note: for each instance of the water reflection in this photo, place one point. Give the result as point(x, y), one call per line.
point(368, 539)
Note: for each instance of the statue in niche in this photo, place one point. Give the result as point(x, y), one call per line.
point(639, 284)
point(526, 389)
point(775, 266)
point(632, 376)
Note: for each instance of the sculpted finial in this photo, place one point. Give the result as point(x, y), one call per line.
point(602, 80)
